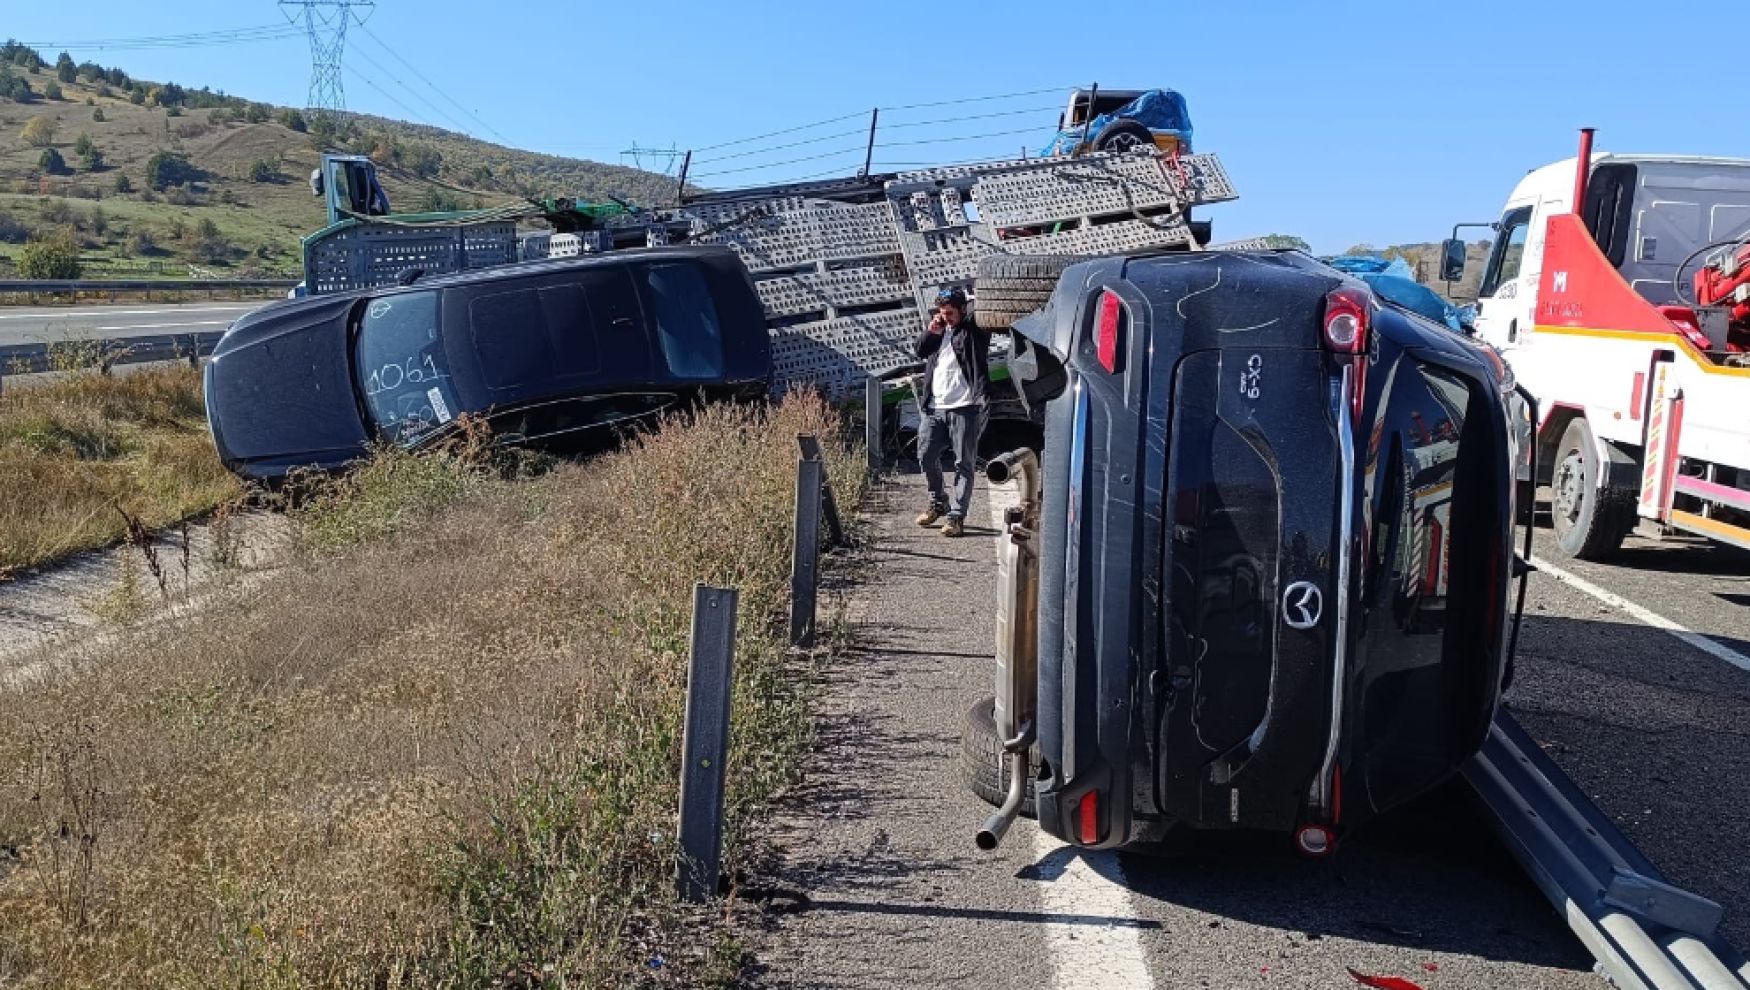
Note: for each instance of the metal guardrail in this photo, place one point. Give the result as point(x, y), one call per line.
point(141, 284)
point(1645, 933)
point(35, 359)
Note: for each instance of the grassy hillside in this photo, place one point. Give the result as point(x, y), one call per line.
point(245, 201)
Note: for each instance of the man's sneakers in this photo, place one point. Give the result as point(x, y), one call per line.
point(929, 516)
point(953, 527)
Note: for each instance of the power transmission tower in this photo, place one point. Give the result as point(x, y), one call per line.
point(325, 21)
point(637, 154)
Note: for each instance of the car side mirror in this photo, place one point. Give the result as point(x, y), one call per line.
point(1451, 259)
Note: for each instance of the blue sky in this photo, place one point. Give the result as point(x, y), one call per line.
point(1342, 123)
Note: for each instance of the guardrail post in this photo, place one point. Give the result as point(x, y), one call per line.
point(809, 445)
point(805, 552)
point(872, 426)
point(705, 740)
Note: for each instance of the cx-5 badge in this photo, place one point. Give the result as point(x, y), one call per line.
point(1302, 604)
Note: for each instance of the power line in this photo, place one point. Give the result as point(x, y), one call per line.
point(956, 138)
point(781, 147)
point(412, 114)
point(434, 86)
point(410, 91)
point(980, 99)
point(231, 36)
point(974, 116)
point(792, 161)
point(787, 130)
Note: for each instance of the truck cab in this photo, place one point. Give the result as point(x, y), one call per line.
point(1624, 318)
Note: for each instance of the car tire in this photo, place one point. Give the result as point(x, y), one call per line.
point(1010, 286)
point(1590, 523)
point(1122, 136)
point(981, 765)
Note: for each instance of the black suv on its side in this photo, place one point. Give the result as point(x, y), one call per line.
point(1275, 550)
point(547, 353)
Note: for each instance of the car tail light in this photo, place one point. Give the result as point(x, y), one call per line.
point(1089, 813)
point(1346, 332)
point(1107, 331)
point(1346, 320)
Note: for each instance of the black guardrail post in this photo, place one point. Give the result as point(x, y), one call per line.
point(809, 445)
point(705, 740)
point(872, 425)
point(805, 552)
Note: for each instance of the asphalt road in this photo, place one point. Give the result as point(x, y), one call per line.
point(53, 324)
point(878, 883)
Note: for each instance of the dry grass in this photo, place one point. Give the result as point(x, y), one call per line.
point(440, 750)
point(75, 450)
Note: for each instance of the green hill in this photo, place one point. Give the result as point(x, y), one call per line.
point(243, 201)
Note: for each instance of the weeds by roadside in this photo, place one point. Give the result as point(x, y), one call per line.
point(441, 751)
point(75, 449)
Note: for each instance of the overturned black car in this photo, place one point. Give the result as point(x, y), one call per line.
point(552, 353)
point(1262, 578)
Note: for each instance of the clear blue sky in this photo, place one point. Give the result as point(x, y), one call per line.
point(1342, 123)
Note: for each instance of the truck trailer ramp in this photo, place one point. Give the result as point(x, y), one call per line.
point(1645, 933)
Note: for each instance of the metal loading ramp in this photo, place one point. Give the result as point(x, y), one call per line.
point(1645, 933)
point(846, 285)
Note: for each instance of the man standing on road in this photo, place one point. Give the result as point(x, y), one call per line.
point(953, 388)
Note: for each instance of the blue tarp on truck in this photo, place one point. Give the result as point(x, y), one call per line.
point(1162, 111)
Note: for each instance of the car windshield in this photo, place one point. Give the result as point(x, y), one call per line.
point(401, 368)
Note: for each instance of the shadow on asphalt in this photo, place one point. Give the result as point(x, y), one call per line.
point(1429, 876)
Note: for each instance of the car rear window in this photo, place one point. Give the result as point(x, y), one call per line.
point(681, 308)
point(401, 368)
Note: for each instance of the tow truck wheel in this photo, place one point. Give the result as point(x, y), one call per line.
point(982, 763)
point(1590, 524)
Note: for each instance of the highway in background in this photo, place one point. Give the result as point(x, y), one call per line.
point(56, 324)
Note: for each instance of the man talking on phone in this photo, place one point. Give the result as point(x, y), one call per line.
point(956, 357)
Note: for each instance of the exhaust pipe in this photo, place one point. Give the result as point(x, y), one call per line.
point(1017, 645)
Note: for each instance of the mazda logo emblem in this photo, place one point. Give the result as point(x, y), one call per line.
point(1302, 604)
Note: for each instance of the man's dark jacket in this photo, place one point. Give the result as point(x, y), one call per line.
point(968, 345)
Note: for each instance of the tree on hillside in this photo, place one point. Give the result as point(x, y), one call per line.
point(39, 132)
point(97, 115)
point(52, 163)
point(89, 154)
point(425, 161)
point(91, 72)
point(1288, 241)
point(54, 256)
point(257, 113)
point(263, 170)
point(294, 120)
point(65, 70)
point(13, 86)
point(122, 183)
point(167, 168)
point(52, 91)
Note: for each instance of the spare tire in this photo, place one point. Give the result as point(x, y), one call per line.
point(1122, 136)
point(984, 766)
point(1009, 286)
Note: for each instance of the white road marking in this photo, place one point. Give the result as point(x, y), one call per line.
point(105, 313)
point(1094, 957)
point(1709, 646)
point(166, 326)
point(1089, 957)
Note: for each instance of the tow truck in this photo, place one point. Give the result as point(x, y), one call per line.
point(1620, 294)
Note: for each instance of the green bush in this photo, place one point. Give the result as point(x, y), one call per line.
point(52, 162)
point(294, 120)
point(52, 91)
point(97, 115)
point(168, 168)
point(65, 70)
point(123, 184)
point(88, 153)
point(56, 256)
point(263, 170)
